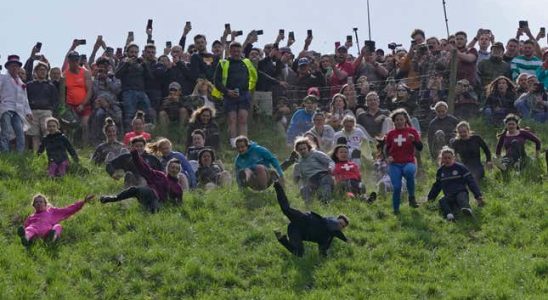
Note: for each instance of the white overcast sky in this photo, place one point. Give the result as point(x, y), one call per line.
point(56, 23)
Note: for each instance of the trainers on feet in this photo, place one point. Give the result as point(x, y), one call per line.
point(372, 197)
point(278, 234)
point(106, 199)
point(450, 217)
point(21, 233)
point(413, 202)
point(50, 238)
point(466, 211)
point(502, 166)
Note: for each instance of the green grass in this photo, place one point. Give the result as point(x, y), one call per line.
point(220, 245)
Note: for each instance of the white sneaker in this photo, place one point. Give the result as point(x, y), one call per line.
point(450, 217)
point(233, 143)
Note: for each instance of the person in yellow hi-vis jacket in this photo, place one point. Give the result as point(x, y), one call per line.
point(235, 78)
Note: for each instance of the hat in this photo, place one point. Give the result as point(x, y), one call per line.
point(310, 98)
point(303, 61)
point(13, 59)
point(342, 48)
point(285, 50)
point(175, 85)
point(498, 45)
point(73, 55)
point(314, 91)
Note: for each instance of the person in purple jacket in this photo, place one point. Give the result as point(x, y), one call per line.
point(161, 187)
point(44, 222)
point(513, 139)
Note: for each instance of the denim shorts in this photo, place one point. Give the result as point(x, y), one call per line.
point(236, 104)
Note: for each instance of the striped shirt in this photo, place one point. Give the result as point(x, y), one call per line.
point(521, 64)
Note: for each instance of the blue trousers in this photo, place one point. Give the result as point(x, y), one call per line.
point(11, 123)
point(397, 171)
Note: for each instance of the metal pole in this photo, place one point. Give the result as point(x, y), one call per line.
point(357, 40)
point(446, 21)
point(369, 20)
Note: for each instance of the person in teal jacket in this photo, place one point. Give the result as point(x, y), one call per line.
point(253, 165)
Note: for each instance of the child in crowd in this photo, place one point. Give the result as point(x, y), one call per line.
point(56, 145)
point(44, 222)
point(138, 126)
point(347, 175)
point(210, 174)
point(452, 178)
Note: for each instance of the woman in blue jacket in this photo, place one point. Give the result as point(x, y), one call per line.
point(253, 164)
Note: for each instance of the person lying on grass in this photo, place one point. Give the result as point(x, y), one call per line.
point(44, 222)
point(453, 177)
point(160, 186)
point(308, 226)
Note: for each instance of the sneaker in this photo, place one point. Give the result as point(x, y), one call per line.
point(278, 235)
point(450, 217)
point(21, 233)
point(502, 166)
point(106, 199)
point(466, 211)
point(50, 238)
point(413, 202)
point(372, 197)
point(242, 177)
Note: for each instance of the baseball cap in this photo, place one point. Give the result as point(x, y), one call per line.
point(498, 45)
point(303, 61)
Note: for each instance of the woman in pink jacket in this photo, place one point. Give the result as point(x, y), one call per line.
point(44, 222)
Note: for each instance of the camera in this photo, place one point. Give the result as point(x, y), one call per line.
point(81, 42)
point(38, 46)
point(239, 32)
point(149, 24)
point(523, 24)
point(392, 46)
point(168, 44)
point(259, 32)
point(309, 32)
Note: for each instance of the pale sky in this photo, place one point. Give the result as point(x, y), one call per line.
point(56, 23)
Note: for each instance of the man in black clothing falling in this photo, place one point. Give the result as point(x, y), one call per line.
point(308, 226)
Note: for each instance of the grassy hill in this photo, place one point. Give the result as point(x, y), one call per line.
point(220, 244)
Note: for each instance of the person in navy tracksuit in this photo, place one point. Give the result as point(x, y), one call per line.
point(453, 177)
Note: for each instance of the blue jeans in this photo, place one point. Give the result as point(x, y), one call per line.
point(397, 171)
point(131, 101)
point(11, 123)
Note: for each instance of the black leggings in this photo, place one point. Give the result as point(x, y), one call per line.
point(146, 196)
point(295, 242)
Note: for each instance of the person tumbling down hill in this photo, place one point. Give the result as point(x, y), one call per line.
point(253, 164)
point(308, 226)
point(44, 222)
point(161, 187)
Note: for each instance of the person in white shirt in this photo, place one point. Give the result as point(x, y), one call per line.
point(354, 137)
point(14, 106)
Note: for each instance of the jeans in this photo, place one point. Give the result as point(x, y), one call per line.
point(132, 101)
point(322, 184)
point(146, 196)
point(10, 124)
point(397, 171)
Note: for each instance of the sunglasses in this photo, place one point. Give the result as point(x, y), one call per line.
point(173, 90)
